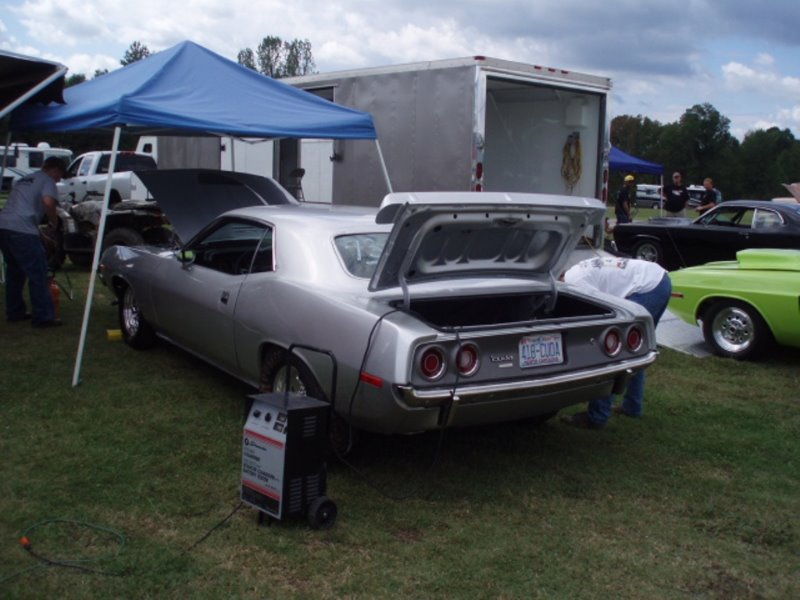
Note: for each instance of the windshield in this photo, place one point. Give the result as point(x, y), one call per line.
point(360, 252)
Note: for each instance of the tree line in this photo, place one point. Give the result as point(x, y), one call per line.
point(699, 145)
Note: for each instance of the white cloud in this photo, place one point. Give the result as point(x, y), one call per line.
point(764, 59)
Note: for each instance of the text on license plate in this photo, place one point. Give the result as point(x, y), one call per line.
point(535, 351)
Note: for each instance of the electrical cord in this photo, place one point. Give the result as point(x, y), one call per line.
point(437, 454)
point(213, 529)
point(78, 564)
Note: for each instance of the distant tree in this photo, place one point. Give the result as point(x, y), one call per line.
point(247, 58)
point(769, 158)
point(99, 72)
point(74, 79)
point(136, 51)
point(278, 59)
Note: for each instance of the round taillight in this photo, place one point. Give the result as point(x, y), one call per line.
point(431, 363)
point(612, 342)
point(634, 339)
point(467, 360)
point(479, 171)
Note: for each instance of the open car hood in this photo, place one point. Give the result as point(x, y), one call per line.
point(192, 198)
point(446, 235)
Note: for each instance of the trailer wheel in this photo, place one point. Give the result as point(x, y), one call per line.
point(322, 513)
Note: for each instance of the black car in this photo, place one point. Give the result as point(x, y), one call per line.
point(716, 235)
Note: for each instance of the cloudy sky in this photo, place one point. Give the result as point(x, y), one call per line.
point(663, 57)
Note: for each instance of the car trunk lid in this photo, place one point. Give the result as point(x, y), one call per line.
point(446, 235)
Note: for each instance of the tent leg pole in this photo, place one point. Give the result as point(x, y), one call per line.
point(383, 166)
point(2, 173)
point(98, 244)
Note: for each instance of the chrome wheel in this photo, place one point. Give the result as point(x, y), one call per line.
point(131, 318)
point(296, 383)
point(733, 330)
point(647, 251)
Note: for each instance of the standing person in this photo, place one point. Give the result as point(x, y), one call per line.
point(32, 198)
point(709, 199)
point(640, 281)
point(625, 197)
point(675, 196)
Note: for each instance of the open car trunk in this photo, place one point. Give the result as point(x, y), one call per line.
point(503, 310)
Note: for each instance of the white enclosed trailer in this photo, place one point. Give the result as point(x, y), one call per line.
point(462, 124)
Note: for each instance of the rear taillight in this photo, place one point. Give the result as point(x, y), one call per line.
point(612, 342)
point(431, 364)
point(467, 360)
point(634, 338)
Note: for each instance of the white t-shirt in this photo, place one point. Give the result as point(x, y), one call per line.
point(616, 276)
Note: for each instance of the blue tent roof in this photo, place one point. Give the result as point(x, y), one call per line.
point(619, 161)
point(189, 89)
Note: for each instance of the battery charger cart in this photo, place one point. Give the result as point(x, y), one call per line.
point(284, 445)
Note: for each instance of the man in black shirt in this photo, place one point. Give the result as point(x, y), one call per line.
point(625, 197)
point(709, 200)
point(675, 197)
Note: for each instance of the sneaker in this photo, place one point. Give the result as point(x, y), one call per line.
point(43, 324)
point(582, 421)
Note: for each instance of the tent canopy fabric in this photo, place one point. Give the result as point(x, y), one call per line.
point(620, 161)
point(20, 76)
point(187, 89)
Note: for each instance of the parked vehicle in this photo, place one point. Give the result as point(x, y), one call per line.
point(715, 235)
point(87, 175)
point(463, 124)
point(744, 304)
point(648, 196)
point(440, 309)
point(22, 160)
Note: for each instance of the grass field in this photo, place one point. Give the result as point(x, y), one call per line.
point(698, 499)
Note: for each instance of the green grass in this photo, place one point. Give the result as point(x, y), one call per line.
point(698, 499)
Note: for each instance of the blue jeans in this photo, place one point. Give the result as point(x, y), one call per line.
point(26, 259)
point(655, 301)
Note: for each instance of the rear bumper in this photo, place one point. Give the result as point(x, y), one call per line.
point(489, 403)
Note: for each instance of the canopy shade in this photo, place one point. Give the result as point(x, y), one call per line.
point(620, 161)
point(187, 89)
point(28, 79)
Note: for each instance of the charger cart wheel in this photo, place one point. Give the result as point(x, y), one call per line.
point(322, 513)
point(136, 331)
point(648, 250)
point(735, 330)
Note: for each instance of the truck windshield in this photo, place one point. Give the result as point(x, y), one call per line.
point(127, 162)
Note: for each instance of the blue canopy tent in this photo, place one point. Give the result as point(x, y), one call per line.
point(187, 89)
point(620, 161)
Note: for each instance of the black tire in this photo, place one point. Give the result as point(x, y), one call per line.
point(649, 250)
point(734, 329)
point(80, 259)
point(122, 236)
point(540, 420)
point(341, 435)
point(322, 513)
point(136, 331)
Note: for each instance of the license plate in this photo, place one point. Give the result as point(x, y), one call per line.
point(539, 350)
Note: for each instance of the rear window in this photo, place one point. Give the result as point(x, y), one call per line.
point(127, 162)
point(360, 252)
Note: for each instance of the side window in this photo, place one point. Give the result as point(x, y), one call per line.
point(231, 247)
point(72, 170)
point(86, 167)
point(725, 216)
point(263, 262)
point(35, 159)
point(766, 219)
point(746, 218)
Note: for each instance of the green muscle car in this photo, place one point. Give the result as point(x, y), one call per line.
point(744, 305)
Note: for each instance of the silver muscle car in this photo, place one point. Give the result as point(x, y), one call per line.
point(435, 310)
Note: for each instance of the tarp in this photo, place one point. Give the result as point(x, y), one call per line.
point(28, 79)
point(190, 89)
point(620, 161)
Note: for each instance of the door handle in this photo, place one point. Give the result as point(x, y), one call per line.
point(225, 297)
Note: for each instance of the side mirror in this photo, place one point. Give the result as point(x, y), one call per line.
point(185, 257)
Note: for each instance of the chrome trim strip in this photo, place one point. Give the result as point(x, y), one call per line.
point(417, 397)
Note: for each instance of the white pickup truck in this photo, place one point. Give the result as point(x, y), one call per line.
point(86, 177)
